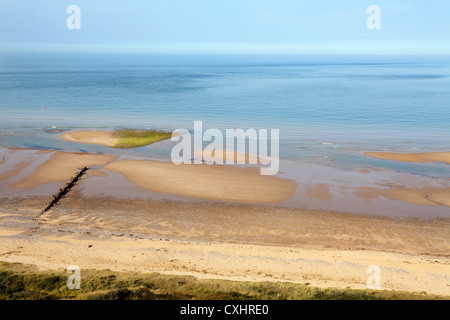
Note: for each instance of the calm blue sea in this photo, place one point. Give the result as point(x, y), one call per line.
point(329, 109)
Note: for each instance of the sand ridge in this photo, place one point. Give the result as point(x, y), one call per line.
point(220, 239)
point(201, 181)
point(412, 157)
point(98, 137)
point(61, 166)
point(214, 182)
point(158, 179)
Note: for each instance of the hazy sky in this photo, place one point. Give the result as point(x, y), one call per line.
point(228, 26)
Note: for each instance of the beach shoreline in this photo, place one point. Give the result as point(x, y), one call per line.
point(38, 172)
point(362, 183)
point(226, 241)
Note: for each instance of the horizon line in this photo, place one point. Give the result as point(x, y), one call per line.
point(365, 48)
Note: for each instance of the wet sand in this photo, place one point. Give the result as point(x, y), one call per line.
point(222, 239)
point(214, 182)
point(18, 167)
point(43, 172)
point(61, 166)
point(221, 156)
point(425, 196)
point(412, 157)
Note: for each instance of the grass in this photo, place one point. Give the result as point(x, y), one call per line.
point(138, 138)
point(25, 282)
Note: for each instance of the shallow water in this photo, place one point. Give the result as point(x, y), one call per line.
point(329, 109)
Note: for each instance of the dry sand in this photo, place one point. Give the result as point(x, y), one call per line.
point(104, 138)
point(412, 157)
point(424, 196)
point(213, 182)
point(233, 242)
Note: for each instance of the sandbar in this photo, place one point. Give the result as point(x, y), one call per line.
point(98, 137)
point(212, 182)
point(412, 157)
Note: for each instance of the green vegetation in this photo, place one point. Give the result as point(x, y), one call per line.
point(138, 138)
point(18, 281)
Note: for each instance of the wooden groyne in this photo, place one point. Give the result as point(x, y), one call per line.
point(64, 190)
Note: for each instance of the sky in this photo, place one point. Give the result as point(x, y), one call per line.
point(227, 26)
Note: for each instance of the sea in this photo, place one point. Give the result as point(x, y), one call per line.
point(329, 109)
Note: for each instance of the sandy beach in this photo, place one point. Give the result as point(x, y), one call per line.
point(99, 137)
point(233, 242)
point(214, 221)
